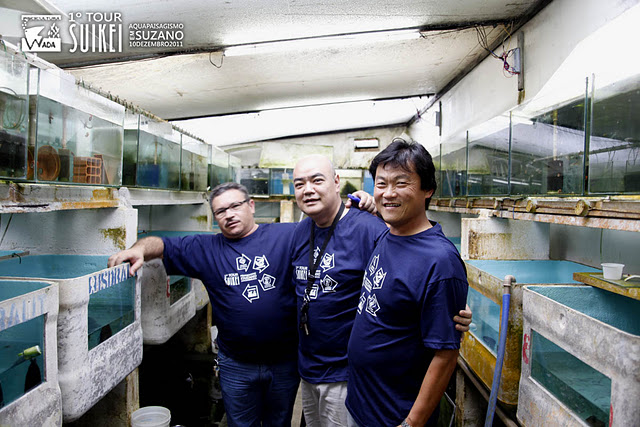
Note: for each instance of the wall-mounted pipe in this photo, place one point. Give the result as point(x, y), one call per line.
point(497, 372)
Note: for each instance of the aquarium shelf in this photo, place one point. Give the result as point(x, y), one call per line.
point(147, 197)
point(28, 197)
point(630, 288)
point(614, 213)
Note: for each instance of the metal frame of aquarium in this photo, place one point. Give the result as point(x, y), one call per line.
point(580, 358)
point(488, 287)
point(89, 364)
point(25, 303)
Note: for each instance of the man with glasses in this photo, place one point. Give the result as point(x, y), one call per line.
point(247, 272)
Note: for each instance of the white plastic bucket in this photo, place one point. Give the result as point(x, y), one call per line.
point(151, 416)
point(612, 271)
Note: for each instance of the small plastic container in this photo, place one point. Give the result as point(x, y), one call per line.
point(151, 416)
point(612, 271)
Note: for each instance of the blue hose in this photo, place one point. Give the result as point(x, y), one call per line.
point(497, 372)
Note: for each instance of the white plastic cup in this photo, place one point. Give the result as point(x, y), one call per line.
point(612, 271)
point(151, 416)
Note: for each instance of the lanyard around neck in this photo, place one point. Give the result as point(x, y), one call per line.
point(313, 266)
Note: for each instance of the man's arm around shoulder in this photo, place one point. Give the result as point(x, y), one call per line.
point(143, 250)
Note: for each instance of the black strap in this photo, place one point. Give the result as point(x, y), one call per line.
point(313, 266)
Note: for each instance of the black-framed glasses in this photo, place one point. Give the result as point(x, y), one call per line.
point(233, 207)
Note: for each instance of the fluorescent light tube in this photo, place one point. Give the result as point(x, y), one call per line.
point(322, 42)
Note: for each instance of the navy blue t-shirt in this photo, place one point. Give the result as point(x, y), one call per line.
point(412, 289)
point(334, 297)
point(250, 289)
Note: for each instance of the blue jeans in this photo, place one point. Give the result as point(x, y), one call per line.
point(258, 394)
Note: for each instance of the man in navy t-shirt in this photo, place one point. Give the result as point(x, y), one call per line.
point(336, 245)
point(247, 273)
point(343, 240)
point(404, 344)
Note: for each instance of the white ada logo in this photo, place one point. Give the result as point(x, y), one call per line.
point(41, 33)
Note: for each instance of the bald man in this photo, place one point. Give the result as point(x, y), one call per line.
point(331, 251)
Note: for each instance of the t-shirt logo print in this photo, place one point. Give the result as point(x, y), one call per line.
point(267, 282)
point(327, 262)
point(362, 302)
point(243, 263)
point(367, 284)
point(374, 264)
point(378, 279)
point(232, 279)
point(328, 284)
point(251, 293)
point(260, 263)
point(313, 293)
point(372, 305)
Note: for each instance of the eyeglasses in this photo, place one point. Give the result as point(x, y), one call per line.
point(233, 207)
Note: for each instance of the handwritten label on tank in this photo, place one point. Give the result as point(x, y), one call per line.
point(15, 313)
point(107, 278)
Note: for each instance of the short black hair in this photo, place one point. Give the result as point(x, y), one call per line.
point(219, 189)
point(410, 156)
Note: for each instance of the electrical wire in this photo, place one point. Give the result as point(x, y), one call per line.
point(483, 41)
point(221, 60)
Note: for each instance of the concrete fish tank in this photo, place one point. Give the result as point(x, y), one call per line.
point(168, 302)
point(479, 346)
point(151, 153)
point(99, 332)
point(581, 357)
point(76, 135)
point(29, 391)
point(14, 115)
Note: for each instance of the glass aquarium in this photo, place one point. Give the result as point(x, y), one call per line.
point(488, 165)
point(179, 286)
point(453, 166)
point(281, 182)
point(256, 180)
point(614, 144)
point(367, 181)
point(234, 168)
point(582, 388)
point(437, 160)
point(110, 309)
point(194, 164)
point(78, 134)
point(130, 148)
point(547, 150)
point(219, 167)
point(14, 115)
point(486, 320)
point(151, 153)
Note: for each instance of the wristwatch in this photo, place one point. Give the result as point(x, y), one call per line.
point(405, 423)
